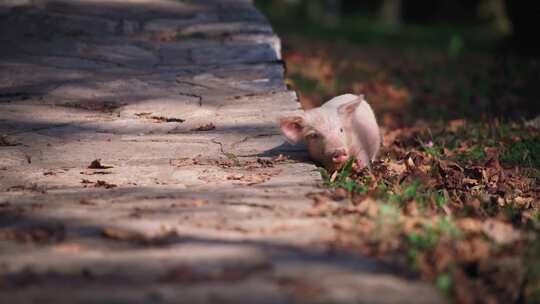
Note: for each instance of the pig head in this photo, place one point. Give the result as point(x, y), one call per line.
point(343, 127)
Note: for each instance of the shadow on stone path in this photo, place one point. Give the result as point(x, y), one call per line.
point(190, 202)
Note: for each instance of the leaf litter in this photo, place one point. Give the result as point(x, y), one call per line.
point(98, 184)
point(96, 164)
point(466, 223)
point(454, 201)
point(159, 118)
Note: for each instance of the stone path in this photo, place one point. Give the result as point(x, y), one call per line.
point(190, 201)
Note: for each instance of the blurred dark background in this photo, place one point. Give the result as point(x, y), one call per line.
point(437, 60)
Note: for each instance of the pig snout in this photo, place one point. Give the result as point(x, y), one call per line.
point(339, 156)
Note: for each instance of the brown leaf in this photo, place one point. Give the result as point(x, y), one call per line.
point(470, 181)
point(158, 119)
point(206, 127)
point(47, 233)
point(257, 179)
point(236, 177)
point(411, 208)
point(104, 184)
point(523, 202)
point(443, 256)
point(397, 168)
point(340, 194)
point(500, 232)
point(371, 207)
point(470, 225)
point(320, 206)
point(455, 125)
point(410, 163)
point(96, 164)
point(95, 172)
point(472, 250)
point(5, 142)
point(281, 158)
point(121, 234)
point(492, 158)
point(452, 174)
point(199, 202)
point(86, 201)
point(70, 248)
point(32, 187)
point(265, 163)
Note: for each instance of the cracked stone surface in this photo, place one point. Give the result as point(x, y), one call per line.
point(180, 102)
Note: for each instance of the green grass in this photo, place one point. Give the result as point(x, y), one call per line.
point(343, 179)
point(415, 215)
point(416, 192)
point(525, 152)
point(388, 216)
point(195, 35)
point(444, 283)
point(508, 139)
point(440, 199)
point(397, 196)
point(430, 235)
point(307, 85)
point(364, 29)
point(406, 193)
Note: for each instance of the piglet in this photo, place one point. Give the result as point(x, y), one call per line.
point(343, 127)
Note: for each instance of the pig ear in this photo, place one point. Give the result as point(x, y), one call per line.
point(291, 127)
point(351, 106)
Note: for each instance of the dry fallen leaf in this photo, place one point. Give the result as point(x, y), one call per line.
point(456, 124)
point(397, 168)
point(500, 232)
point(465, 181)
point(470, 181)
point(157, 118)
point(199, 202)
point(281, 158)
point(46, 233)
point(472, 250)
point(89, 172)
point(334, 176)
point(257, 179)
point(265, 163)
point(523, 202)
point(5, 142)
point(206, 127)
point(410, 163)
point(104, 184)
point(235, 177)
point(70, 248)
point(96, 164)
point(121, 234)
point(86, 201)
point(470, 225)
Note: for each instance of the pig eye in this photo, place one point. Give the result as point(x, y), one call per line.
point(341, 130)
